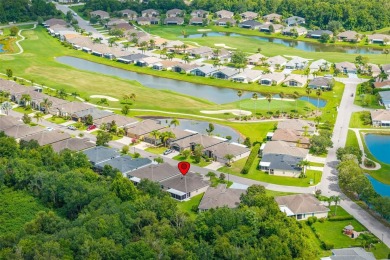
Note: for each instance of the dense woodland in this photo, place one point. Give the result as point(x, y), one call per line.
point(362, 15)
point(25, 10)
point(91, 216)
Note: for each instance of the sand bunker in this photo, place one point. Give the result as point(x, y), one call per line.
point(102, 96)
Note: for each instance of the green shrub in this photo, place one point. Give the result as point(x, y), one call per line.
point(340, 218)
point(327, 246)
point(311, 220)
point(251, 158)
point(322, 220)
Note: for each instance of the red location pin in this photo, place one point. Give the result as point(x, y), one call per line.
point(184, 167)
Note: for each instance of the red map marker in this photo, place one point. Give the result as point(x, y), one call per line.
point(184, 167)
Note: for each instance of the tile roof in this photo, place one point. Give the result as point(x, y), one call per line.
point(290, 135)
point(380, 115)
point(284, 148)
point(125, 163)
point(144, 127)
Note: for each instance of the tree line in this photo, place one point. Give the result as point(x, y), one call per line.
point(104, 216)
point(26, 10)
point(362, 15)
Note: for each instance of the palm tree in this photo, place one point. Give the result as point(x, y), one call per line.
point(156, 134)
point(217, 63)
point(186, 58)
point(6, 107)
point(171, 55)
point(152, 43)
point(61, 93)
point(255, 97)
point(132, 96)
point(336, 200)
point(304, 164)
point(229, 157)
point(103, 101)
point(143, 46)
point(308, 91)
point(269, 99)
point(26, 98)
point(126, 45)
point(46, 104)
point(318, 93)
point(184, 47)
point(281, 95)
point(295, 96)
point(307, 73)
point(239, 94)
point(216, 52)
point(38, 116)
point(174, 122)
point(166, 136)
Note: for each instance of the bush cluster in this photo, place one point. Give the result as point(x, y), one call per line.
point(252, 156)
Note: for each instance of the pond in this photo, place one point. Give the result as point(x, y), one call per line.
point(1, 48)
point(300, 45)
point(381, 188)
point(379, 146)
point(201, 126)
point(210, 93)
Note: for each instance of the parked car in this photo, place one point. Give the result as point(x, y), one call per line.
point(91, 127)
point(72, 127)
point(49, 129)
point(168, 152)
point(352, 95)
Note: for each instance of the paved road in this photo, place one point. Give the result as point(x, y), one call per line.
point(329, 182)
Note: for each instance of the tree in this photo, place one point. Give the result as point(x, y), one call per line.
point(324, 38)
point(125, 110)
point(103, 101)
point(304, 164)
point(239, 59)
point(75, 95)
point(88, 119)
point(14, 30)
point(38, 116)
point(156, 134)
point(186, 58)
point(336, 200)
point(9, 73)
point(229, 157)
point(46, 104)
point(125, 149)
point(25, 98)
point(247, 142)
point(6, 107)
point(175, 122)
point(167, 135)
point(186, 154)
point(318, 93)
point(308, 91)
point(111, 41)
point(210, 129)
point(198, 152)
point(268, 97)
point(26, 119)
point(123, 188)
point(255, 97)
point(239, 94)
point(103, 138)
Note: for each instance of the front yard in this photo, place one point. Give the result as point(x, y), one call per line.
point(156, 150)
point(191, 160)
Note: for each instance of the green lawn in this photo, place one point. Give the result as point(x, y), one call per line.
point(191, 160)
point(367, 100)
point(352, 139)
point(356, 122)
point(156, 150)
point(186, 206)
point(57, 120)
point(22, 110)
point(16, 208)
point(317, 164)
point(255, 174)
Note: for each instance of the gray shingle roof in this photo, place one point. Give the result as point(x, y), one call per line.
point(155, 172)
point(48, 137)
point(73, 144)
point(20, 131)
point(194, 182)
point(96, 113)
point(301, 203)
point(100, 154)
point(125, 163)
point(320, 81)
point(219, 197)
point(282, 162)
point(8, 122)
point(353, 253)
point(250, 23)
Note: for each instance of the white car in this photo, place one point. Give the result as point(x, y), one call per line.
point(49, 128)
point(168, 152)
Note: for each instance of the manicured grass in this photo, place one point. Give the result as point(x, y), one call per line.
point(156, 150)
point(352, 139)
point(22, 110)
point(367, 100)
point(191, 160)
point(258, 175)
point(278, 193)
point(186, 206)
point(57, 120)
point(317, 164)
point(16, 208)
point(356, 122)
point(255, 131)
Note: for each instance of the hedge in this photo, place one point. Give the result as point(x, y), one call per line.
point(340, 218)
point(252, 156)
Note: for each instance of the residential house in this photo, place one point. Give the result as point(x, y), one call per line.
point(225, 22)
point(150, 13)
point(190, 142)
point(320, 64)
point(120, 121)
point(184, 67)
point(291, 136)
point(256, 59)
point(250, 24)
point(202, 51)
point(73, 144)
point(220, 196)
point(295, 80)
point(283, 147)
point(281, 164)
point(115, 21)
point(225, 73)
point(219, 151)
point(132, 15)
point(147, 20)
point(174, 46)
point(302, 206)
point(247, 76)
point(271, 28)
point(349, 36)
point(272, 18)
point(148, 61)
point(382, 84)
point(198, 21)
point(316, 34)
point(382, 39)
point(125, 164)
point(223, 55)
point(9, 122)
point(384, 98)
point(322, 83)
point(249, 15)
point(21, 131)
point(165, 65)
point(100, 154)
point(185, 187)
point(271, 79)
point(204, 71)
point(346, 67)
point(357, 253)
point(47, 137)
point(132, 58)
point(175, 13)
point(386, 68)
point(297, 63)
point(174, 21)
point(294, 21)
point(276, 61)
point(100, 14)
point(294, 31)
point(67, 109)
point(54, 21)
point(153, 172)
point(124, 27)
point(380, 117)
point(200, 13)
point(178, 134)
point(370, 69)
point(224, 14)
point(143, 128)
point(96, 113)
point(298, 125)
point(11, 87)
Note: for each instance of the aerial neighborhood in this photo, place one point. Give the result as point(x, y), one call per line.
point(194, 129)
